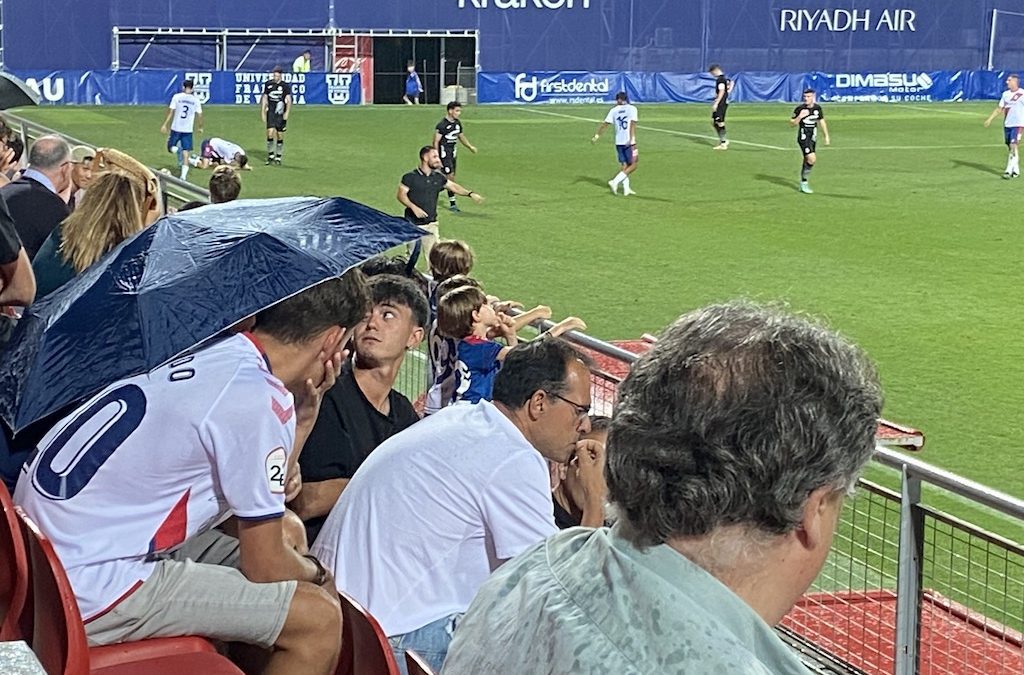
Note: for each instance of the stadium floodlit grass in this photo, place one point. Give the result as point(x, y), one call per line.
point(912, 244)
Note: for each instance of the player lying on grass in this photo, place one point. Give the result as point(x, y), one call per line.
point(217, 152)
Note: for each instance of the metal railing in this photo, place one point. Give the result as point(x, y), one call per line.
point(907, 588)
point(174, 191)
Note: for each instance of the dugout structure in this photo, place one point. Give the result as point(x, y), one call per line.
point(443, 58)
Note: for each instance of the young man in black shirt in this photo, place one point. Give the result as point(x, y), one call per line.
point(275, 106)
point(807, 117)
point(723, 87)
point(418, 193)
point(362, 410)
point(447, 135)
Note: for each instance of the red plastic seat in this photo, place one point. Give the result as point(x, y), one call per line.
point(415, 664)
point(13, 570)
point(58, 636)
point(365, 649)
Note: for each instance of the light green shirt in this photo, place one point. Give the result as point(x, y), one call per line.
point(587, 601)
point(300, 65)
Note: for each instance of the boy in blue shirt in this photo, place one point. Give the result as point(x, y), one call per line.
point(413, 86)
point(465, 314)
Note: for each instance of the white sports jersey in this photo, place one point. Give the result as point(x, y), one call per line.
point(1012, 104)
point(620, 116)
point(185, 107)
point(158, 458)
point(226, 150)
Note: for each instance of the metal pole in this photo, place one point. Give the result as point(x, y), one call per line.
point(992, 37)
point(908, 584)
point(115, 49)
point(330, 15)
point(440, 83)
point(630, 61)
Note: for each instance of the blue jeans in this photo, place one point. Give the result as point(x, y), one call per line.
point(431, 642)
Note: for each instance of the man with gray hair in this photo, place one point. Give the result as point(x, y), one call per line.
point(34, 199)
point(732, 447)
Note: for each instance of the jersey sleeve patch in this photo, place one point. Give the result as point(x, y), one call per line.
point(276, 468)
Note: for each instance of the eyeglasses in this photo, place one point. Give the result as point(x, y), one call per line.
point(581, 410)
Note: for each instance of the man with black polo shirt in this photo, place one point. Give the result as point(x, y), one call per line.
point(723, 87)
point(418, 193)
point(362, 409)
point(447, 135)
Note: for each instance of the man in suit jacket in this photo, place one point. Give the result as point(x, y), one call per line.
point(34, 199)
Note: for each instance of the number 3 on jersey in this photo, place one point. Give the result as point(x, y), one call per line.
point(88, 441)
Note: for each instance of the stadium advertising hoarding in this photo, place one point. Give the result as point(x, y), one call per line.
point(153, 87)
point(601, 86)
point(551, 35)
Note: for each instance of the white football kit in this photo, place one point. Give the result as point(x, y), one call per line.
point(620, 116)
point(185, 107)
point(226, 150)
point(156, 459)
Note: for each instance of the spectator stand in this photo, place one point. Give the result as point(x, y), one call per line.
point(908, 588)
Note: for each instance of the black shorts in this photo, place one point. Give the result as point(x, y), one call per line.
point(807, 142)
point(448, 159)
point(277, 122)
point(718, 114)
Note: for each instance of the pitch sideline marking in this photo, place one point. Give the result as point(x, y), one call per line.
point(939, 110)
point(664, 131)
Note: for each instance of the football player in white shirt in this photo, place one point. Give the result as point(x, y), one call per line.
point(186, 110)
point(217, 151)
point(624, 117)
point(1012, 106)
point(131, 486)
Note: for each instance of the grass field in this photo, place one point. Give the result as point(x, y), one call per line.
point(911, 244)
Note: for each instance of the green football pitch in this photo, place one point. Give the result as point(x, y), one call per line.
point(911, 244)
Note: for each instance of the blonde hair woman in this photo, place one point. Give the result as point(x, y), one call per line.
point(116, 206)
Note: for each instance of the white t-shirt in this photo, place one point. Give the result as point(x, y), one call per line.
point(158, 458)
point(432, 512)
point(226, 150)
point(1012, 103)
point(185, 107)
point(620, 116)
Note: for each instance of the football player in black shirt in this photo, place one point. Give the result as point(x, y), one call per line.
point(447, 135)
point(275, 105)
point(723, 87)
point(807, 117)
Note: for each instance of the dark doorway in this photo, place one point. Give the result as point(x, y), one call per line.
point(392, 54)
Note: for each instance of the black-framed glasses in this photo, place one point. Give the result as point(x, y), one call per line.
point(581, 410)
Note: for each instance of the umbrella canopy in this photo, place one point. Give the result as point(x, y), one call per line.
point(15, 93)
point(176, 284)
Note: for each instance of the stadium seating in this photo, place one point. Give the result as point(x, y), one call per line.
point(13, 570)
point(415, 664)
point(364, 647)
point(58, 636)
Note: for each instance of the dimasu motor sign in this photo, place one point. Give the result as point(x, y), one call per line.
point(844, 20)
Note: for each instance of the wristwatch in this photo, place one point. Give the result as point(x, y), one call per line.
point(321, 571)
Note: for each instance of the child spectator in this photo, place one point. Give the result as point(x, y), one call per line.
point(466, 315)
point(448, 259)
point(225, 185)
point(413, 85)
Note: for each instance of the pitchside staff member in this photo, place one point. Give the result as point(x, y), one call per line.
point(275, 105)
point(723, 87)
point(447, 135)
point(418, 193)
point(808, 116)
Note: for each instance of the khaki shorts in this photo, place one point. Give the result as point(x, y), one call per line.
point(198, 591)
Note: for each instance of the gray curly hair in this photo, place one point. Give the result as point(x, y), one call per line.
point(735, 416)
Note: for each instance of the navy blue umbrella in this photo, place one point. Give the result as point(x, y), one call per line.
point(176, 284)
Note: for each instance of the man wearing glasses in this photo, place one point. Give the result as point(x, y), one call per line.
point(438, 507)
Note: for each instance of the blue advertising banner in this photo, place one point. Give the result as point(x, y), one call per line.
point(153, 87)
point(749, 87)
